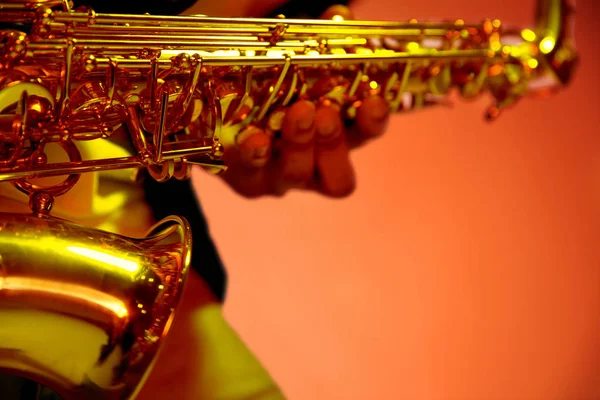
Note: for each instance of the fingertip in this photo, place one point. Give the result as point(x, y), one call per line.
point(374, 108)
point(298, 123)
point(336, 181)
point(254, 147)
point(328, 122)
point(340, 191)
point(372, 116)
point(335, 173)
point(296, 158)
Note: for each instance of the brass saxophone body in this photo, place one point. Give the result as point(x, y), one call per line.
point(174, 91)
point(103, 301)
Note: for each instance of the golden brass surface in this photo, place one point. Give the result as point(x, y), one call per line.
point(185, 86)
point(104, 301)
point(174, 91)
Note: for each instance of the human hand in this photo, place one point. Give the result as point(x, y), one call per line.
point(313, 150)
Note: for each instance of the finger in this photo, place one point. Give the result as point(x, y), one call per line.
point(249, 183)
point(337, 10)
point(372, 117)
point(254, 147)
point(296, 150)
point(332, 157)
point(246, 162)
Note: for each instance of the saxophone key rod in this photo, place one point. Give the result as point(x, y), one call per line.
point(309, 60)
point(108, 164)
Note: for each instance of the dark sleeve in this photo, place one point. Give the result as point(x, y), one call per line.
point(305, 9)
point(291, 9)
point(178, 198)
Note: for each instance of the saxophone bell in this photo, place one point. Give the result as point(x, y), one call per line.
point(104, 302)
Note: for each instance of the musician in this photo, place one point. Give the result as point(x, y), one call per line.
point(203, 358)
point(312, 154)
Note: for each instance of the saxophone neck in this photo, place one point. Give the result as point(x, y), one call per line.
point(554, 32)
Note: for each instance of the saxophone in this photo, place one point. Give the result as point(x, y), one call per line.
point(179, 90)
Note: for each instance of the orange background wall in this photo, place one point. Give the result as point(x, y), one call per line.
point(465, 266)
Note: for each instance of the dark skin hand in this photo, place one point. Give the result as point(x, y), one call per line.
point(313, 150)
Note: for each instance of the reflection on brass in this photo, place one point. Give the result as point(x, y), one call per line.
point(182, 88)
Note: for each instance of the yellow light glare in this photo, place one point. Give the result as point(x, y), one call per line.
point(547, 45)
point(528, 35)
point(232, 53)
point(532, 63)
point(188, 259)
point(412, 46)
point(373, 85)
point(276, 53)
point(337, 18)
point(127, 265)
point(496, 46)
point(362, 50)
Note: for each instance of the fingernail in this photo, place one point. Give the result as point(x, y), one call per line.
point(304, 124)
point(327, 127)
point(307, 119)
point(259, 157)
point(260, 152)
